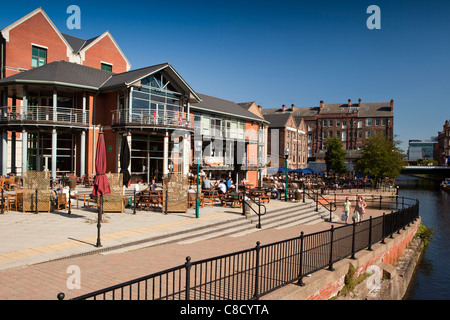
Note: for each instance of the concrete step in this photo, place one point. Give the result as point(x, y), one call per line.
point(236, 225)
point(300, 213)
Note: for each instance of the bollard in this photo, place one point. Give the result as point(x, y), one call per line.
point(36, 202)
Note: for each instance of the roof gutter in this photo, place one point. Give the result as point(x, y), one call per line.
point(54, 83)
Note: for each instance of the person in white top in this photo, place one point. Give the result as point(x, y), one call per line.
point(222, 187)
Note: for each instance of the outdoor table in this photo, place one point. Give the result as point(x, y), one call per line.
point(210, 196)
point(78, 195)
point(261, 195)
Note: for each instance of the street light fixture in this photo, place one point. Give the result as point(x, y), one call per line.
point(286, 155)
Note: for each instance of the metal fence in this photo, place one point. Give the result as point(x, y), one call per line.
point(252, 273)
point(43, 114)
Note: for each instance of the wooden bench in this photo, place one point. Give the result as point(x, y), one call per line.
point(231, 198)
point(210, 196)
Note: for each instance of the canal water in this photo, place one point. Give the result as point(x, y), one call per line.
point(432, 277)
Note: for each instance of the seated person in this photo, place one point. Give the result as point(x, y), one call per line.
point(153, 185)
point(206, 184)
point(276, 191)
point(58, 189)
point(222, 187)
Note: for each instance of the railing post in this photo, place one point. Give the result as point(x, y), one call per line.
point(134, 203)
point(392, 225)
point(383, 231)
point(370, 234)
point(317, 201)
point(353, 239)
point(256, 293)
point(330, 267)
point(300, 273)
point(2, 203)
point(188, 265)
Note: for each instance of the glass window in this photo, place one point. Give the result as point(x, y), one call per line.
point(38, 56)
point(368, 121)
point(106, 67)
point(377, 122)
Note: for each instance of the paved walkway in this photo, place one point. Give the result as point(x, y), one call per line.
point(37, 251)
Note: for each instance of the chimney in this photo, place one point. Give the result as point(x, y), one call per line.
point(321, 104)
point(283, 107)
point(293, 107)
point(349, 102)
point(392, 104)
point(359, 102)
point(260, 108)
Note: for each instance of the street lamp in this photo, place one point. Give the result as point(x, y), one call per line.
point(286, 155)
point(197, 149)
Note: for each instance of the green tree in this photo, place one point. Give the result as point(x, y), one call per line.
point(334, 156)
point(381, 157)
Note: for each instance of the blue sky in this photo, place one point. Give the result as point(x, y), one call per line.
point(285, 52)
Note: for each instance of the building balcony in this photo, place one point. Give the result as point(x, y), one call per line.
point(43, 115)
point(141, 118)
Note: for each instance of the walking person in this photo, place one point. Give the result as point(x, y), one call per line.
point(347, 206)
point(360, 209)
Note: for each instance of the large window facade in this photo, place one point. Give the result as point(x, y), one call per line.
point(157, 102)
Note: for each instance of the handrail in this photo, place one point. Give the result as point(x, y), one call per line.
point(258, 203)
point(316, 199)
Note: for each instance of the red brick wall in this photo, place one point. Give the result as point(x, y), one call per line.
point(105, 51)
point(35, 30)
point(390, 256)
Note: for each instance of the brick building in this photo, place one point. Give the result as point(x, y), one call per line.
point(441, 151)
point(286, 133)
point(34, 41)
point(353, 123)
point(58, 91)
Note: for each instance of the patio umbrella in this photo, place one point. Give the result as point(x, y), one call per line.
point(125, 161)
point(101, 184)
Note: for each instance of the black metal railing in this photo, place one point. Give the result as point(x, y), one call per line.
point(245, 197)
point(319, 200)
point(252, 273)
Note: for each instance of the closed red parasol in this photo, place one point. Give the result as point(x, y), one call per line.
point(101, 184)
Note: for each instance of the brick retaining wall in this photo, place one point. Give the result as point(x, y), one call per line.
point(325, 284)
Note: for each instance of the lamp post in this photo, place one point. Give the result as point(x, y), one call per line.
point(198, 149)
point(286, 155)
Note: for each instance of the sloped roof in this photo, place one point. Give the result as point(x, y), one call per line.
point(121, 79)
point(77, 44)
point(222, 106)
point(277, 120)
point(62, 73)
point(76, 75)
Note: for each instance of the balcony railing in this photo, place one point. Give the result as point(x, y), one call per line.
point(151, 118)
point(44, 114)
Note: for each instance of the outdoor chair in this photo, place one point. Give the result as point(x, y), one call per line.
point(63, 202)
point(192, 199)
